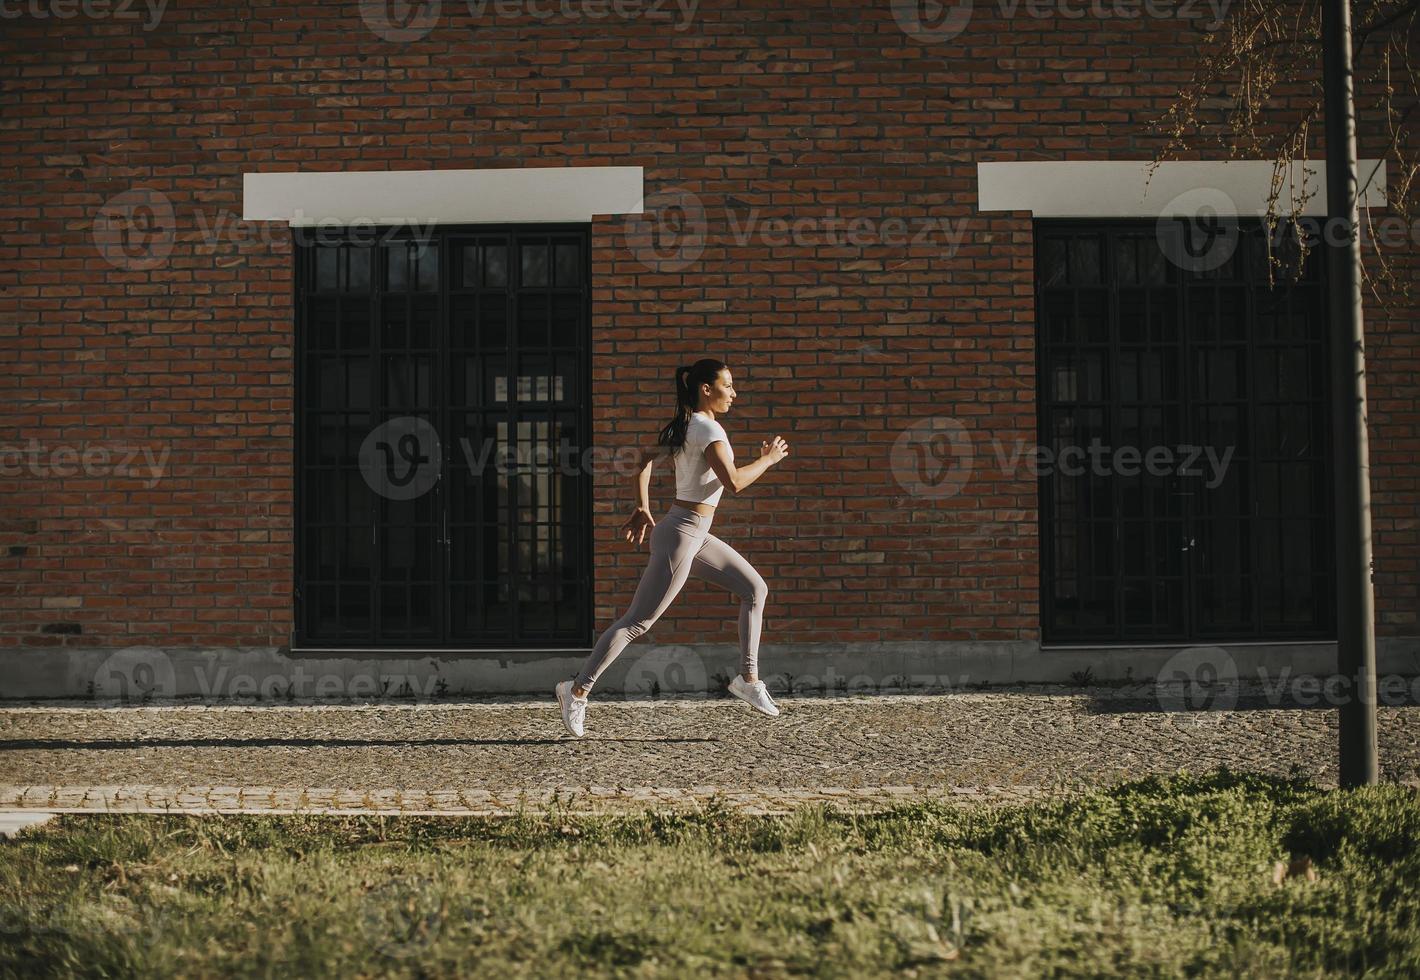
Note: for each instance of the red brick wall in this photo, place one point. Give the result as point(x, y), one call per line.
point(802, 111)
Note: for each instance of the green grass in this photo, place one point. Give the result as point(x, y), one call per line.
point(1161, 877)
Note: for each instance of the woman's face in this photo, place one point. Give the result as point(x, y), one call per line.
point(717, 397)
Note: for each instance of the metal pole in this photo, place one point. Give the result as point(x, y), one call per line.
point(1355, 604)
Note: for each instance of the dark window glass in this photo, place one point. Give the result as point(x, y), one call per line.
point(434, 509)
point(569, 264)
point(495, 265)
point(1227, 535)
point(534, 264)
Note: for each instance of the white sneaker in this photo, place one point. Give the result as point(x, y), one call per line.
point(574, 709)
point(756, 695)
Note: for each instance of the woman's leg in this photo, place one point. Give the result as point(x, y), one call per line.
point(717, 562)
point(674, 542)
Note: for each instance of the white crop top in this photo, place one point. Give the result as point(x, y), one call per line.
point(694, 479)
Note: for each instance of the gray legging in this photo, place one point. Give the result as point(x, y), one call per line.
point(681, 546)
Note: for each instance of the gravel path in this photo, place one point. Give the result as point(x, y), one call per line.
point(491, 758)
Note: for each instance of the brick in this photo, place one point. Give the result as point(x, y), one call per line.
point(839, 348)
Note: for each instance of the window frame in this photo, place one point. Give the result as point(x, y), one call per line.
point(1117, 632)
point(576, 516)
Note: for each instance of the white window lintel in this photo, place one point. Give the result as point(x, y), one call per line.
point(419, 197)
point(1125, 189)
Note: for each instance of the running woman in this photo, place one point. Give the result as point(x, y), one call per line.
point(681, 544)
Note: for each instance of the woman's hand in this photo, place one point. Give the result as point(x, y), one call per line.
point(636, 525)
point(775, 450)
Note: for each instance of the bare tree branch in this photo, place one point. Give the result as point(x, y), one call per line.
point(1256, 91)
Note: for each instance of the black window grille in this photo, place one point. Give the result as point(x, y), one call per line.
point(442, 407)
point(1151, 335)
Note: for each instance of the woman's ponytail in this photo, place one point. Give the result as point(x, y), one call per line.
point(688, 379)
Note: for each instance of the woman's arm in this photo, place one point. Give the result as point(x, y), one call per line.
point(643, 477)
point(737, 478)
point(634, 530)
